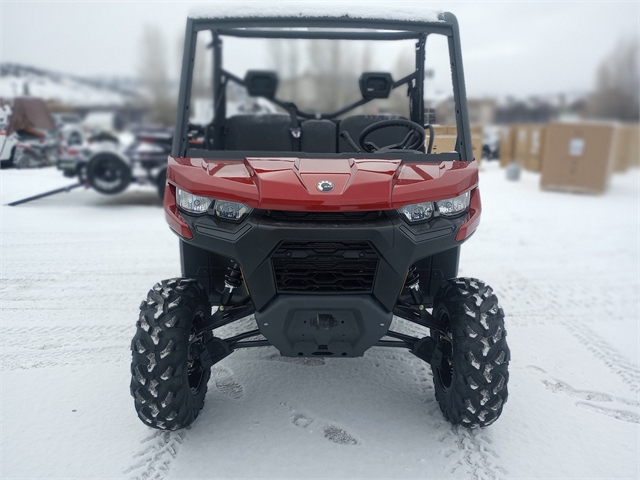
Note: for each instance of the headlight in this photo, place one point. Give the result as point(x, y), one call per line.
point(417, 212)
point(453, 206)
point(230, 210)
point(221, 208)
point(192, 203)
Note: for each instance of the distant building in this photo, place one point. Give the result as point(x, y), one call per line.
point(541, 109)
point(527, 111)
point(481, 111)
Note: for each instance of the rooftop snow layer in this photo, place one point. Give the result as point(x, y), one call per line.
point(405, 11)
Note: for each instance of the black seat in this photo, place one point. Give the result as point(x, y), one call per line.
point(356, 124)
point(270, 133)
point(319, 136)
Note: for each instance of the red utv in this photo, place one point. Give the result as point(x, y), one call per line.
point(325, 226)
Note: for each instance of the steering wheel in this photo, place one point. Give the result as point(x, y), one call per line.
point(414, 140)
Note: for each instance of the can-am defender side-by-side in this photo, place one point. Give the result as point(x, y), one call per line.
point(323, 226)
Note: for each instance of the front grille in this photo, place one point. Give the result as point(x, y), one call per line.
point(282, 215)
point(325, 267)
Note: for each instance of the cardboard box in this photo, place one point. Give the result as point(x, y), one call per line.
point(445, 139)
point(635, 145)
point(476, 141)
point(626, 148)
point(577, 157)
point(521, 146)
point(507, 143)
point(439, 130)
point(533, 159)
point(443, 143)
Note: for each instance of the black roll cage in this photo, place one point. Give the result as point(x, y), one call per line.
point(344, 28)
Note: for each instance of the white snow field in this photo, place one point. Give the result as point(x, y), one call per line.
point(75, 267)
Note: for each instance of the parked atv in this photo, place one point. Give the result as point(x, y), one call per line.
point(323, 225)
point(110, 169)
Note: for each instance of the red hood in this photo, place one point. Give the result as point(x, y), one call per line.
point(291, 183)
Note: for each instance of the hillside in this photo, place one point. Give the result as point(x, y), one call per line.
point(72, 90)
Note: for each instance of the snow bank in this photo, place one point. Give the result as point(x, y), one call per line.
point(406, 11)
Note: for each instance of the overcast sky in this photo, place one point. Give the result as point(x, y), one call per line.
point(509, 48)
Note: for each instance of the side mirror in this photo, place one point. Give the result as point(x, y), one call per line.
point(261, 83)
point(375, 85)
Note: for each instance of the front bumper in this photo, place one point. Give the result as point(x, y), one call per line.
point(257, 242)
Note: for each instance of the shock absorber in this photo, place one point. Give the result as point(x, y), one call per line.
point(413, 284)
point(232, 280)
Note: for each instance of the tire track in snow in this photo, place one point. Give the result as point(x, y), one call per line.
point(473, 455)
point(156, 454)
point(574, 306)
point(45, 338)
point(546, 302)
point(591, 399)
point(602, 350)
point(42, 347)
point(108, 354)
point(623, 415)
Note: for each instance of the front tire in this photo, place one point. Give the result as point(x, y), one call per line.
point(470, 367)
point(168, 381)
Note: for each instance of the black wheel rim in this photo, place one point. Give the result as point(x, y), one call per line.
point(195, 372)
point(108, 174)
point(445, 345)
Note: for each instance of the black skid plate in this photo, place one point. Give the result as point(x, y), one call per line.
point(323, 325)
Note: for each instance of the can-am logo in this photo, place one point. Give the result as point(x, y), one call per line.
point(325, 186)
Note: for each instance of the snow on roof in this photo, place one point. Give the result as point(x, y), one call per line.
point(403, 10)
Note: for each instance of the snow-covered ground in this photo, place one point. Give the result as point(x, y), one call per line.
point(76, 266)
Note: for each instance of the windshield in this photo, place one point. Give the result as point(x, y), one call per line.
point(321, 96)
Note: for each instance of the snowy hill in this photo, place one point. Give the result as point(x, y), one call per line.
point(72, 90)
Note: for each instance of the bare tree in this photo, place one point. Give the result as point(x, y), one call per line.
point(617, 93)
point(398, 103)
point(322, 75)
point(153, 73)
point(284, 59)
point(202, 70)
